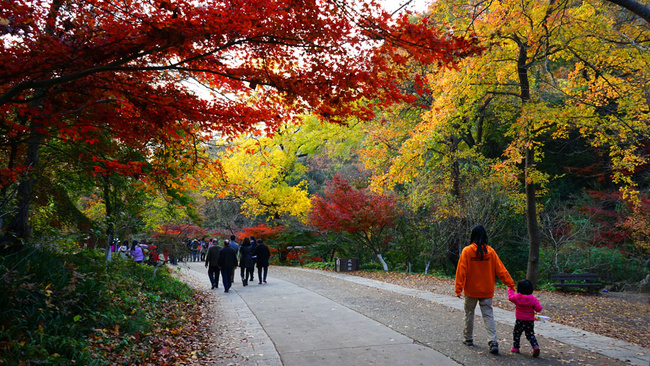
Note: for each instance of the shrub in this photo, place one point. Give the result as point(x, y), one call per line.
point(328, 266)
point(371, 266)
point(55, 304)
point(610, 264)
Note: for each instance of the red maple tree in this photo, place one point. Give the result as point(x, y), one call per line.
point(72, 69)
point(364, 215)
point(261, 231)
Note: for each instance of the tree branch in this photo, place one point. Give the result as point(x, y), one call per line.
point(636, 8)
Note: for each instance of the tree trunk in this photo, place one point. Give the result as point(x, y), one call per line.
point(531, 200)
point(383, 263)
point(108, 204)
point(531, 219)
point(635, 7)
point(18, 229)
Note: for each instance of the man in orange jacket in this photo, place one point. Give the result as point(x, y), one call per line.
point(477, 268)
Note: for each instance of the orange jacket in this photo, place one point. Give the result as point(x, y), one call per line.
point(476, 277)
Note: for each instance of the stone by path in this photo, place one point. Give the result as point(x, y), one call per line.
point(307, 317)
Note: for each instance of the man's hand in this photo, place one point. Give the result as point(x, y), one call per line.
point(206, 265)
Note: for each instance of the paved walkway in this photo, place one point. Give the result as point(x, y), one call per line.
point(307, 317)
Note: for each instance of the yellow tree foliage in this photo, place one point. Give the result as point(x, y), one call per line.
point(263, 173)
point(587, 64)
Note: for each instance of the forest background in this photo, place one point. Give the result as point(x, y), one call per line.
point(530, 118)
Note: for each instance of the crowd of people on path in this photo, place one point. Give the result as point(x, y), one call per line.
point(477, 269)
point(223, 261)
point(141, 252)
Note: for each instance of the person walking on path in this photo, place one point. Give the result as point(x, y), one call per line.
point(137, 251)
point(253, 247)
point(204, 249)
point(526, 305)
point(477, 268)
point(124, 249)
point(235, 246)
point(212, 264)
point(166, 248)
point(246, 261)
point(262, 255)
point(196, 250)
point(227, 264)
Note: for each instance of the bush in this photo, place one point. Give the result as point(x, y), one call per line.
point(610, 264)
point(55, 305)
point(328, 266)
point(371, 266)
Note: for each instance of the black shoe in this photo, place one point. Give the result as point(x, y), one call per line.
point(469, 343)
point(212, 288)
point(226, 291)
point(494, 348)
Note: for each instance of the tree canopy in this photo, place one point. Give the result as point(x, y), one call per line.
point(76, 69)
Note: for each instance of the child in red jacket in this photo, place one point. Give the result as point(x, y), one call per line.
point(526, 307)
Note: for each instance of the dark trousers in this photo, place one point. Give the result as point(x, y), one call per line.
point(213, 275)
point(226, 277)
point(521, 326)
point(246, 272)
point(259, 273)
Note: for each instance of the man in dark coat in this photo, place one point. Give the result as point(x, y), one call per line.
point(212, 264)
point(263, 254)
point(228, 264)
point(235, 246)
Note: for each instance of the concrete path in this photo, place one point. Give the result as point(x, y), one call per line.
point(306, 317)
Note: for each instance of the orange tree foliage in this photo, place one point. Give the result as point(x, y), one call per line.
point(72, 69)
point(364, 215)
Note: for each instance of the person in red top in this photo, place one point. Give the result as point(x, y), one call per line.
point(526, 307)
point(477, 268)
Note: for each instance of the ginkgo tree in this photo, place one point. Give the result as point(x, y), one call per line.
point(121, 68)
point(264, 174)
